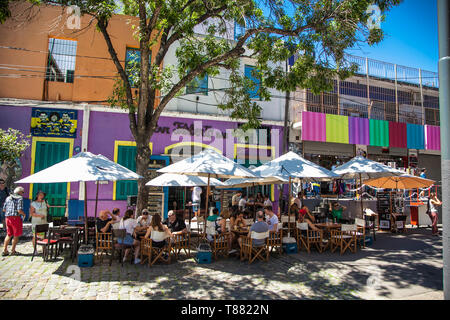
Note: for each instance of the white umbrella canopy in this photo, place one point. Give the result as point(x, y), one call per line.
point(291, 165)
point(209, 163)
point(181, 180)
point(83, 166)
point(404, 181)
point(363, 168)
point(250, 182)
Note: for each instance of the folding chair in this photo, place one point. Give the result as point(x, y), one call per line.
point(344, 238)
point(104, 244)
point(275, 240)
point(146, 251)
point(220, 242)
point(120, 234)
point(307, 237)
point(163, 253)
point(360, 232)
point(289, 221)
point(249, 249)
point(181, 242)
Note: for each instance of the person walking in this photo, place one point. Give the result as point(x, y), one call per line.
point(196, 200)
point(433, 202)
point(13, 209)
point(38, 211)
point(4, 193)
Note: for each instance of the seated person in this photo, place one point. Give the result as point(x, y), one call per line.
point(116, 213)
point(271, 218)
point(259, 201)
point(220, 224)
point(267, 201)
point(104, 221)
point(237, 221)
point(305, 216)
point(143, 221)
point(259, 226)
point(175, 224)
point(156, 225)
point(336, 211)
point(129, 224)
point(294, 210)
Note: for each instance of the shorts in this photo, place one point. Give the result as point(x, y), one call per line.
point(14, 226)
point(128, 240)
point(195, 206)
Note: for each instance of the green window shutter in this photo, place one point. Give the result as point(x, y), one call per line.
point(126, 157)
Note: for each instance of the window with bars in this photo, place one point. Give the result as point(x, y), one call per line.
point(61, 60)
point(198, 85)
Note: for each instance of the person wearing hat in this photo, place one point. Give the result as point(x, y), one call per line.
point(144, 221)
point(13, 209)
point(38, 211)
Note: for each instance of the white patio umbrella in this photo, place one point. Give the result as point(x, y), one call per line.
point(211, 164)
point(363, 168)
point(292, 167)
point(83, 167)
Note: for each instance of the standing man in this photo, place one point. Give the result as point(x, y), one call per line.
point(196, 192)
point(423, 173)
point(242, 203)
point(4, 193)
point(13, 209)
point(235, 201)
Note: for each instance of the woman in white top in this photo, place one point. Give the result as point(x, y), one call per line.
point(433, 212)
point(129, 224)
point(38, 211)
point(156, 225)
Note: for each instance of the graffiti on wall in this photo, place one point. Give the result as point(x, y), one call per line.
point(53, 123)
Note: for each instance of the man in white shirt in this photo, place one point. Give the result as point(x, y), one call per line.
point(272, 219)
point(144, 220)
point(267, 201)
point(242, 203)
point(196, 192)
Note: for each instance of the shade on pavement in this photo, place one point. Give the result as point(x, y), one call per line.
point(405, 181)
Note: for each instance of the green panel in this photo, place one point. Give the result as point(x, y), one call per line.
point(48, 154)
point(337, 128)
point(379, 133)
point(126, 156)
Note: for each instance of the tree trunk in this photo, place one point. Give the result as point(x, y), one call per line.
point(142, 163)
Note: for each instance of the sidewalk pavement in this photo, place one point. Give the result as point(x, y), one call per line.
point(397, 266)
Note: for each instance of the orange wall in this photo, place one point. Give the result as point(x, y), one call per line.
point(50, 21)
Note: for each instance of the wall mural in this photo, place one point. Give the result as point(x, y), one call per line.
point(54, 123)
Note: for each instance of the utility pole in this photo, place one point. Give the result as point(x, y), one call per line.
point(443, 8)
point(286, 116)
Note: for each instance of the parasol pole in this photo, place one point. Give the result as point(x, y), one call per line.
point(96, 200)
point(207, 200)
point(85, 214)
point(289, 208)
point(360, 182)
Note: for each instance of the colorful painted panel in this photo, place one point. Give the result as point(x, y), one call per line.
point(358, 131)
point(397, 135)
point(416, 136)
point(337, 128)
point(379, 133)
point(433, 138)
point(54, 123)
point(313, 126)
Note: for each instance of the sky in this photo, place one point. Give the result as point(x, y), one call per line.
point(411, 36)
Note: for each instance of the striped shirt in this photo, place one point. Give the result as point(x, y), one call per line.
point(12, 206)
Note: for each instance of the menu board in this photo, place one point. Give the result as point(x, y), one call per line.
point(227, 195)
point(155, 204)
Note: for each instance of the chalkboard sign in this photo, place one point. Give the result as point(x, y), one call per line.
point(216, 195)
point(227, 195)
point(155, 204)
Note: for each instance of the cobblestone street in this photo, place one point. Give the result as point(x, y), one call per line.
point(407, 266)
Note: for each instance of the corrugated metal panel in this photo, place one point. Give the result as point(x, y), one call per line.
point(358, 131)
point(379, 133)
point(432, 137)
point(337, 128)
point(397, 135)
point(313, 126)
point(416, 136)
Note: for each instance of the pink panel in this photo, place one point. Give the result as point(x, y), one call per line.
point(313, 126)
point(433, 137)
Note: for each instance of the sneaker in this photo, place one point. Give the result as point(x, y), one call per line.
point(137, 261)
point(233, 251)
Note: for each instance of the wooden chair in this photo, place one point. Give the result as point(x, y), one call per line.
point(120, 234)
point(275, 241)
point(248, 248)
point(306, 238)
point(181, 242)
point(249, 222)
point(289, 221)
point(48, 242)
point(163, 253)
point(344, 238)
point(360, 232)
point(67, 236)
point(104, 244)
point(219, 242)
point(146, 251)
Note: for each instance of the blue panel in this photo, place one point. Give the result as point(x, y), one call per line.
point(76, 209)
point(415, 136)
